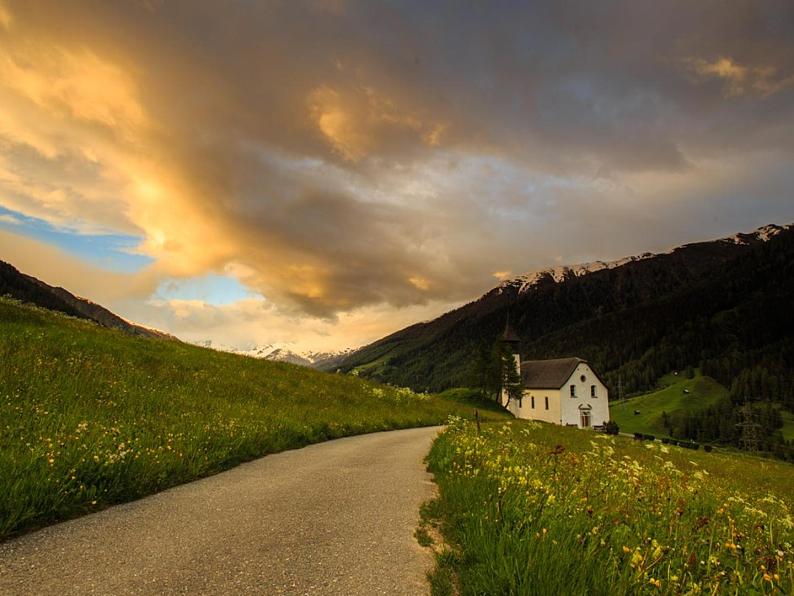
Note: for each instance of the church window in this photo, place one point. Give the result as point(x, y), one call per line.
point(533, 402)
point(547, 402)
point(592, 391)
point(573, 390)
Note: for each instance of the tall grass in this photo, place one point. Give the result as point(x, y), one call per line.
point(531, 508)
point(90, 416)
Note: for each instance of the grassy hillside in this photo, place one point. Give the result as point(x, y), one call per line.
point(91, 416)
point(532, 508)
point(678, 394)
point(701, 409)
point(788, 426)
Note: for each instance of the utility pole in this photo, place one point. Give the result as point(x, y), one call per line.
point(750, 429)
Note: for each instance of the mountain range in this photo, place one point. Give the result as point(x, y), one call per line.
point(722, 303)
point(282, 353)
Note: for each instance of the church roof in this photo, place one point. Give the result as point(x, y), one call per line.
point(548, 374)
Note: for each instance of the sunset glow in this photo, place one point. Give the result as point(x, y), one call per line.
point(324, 173)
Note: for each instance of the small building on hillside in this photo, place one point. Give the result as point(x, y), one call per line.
point(564, 391)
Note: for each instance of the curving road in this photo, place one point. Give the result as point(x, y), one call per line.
point(332, 518)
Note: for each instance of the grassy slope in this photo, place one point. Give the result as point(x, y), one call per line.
point(90, 416)
point(788, 425)
point(532, 508)
point(703, 392)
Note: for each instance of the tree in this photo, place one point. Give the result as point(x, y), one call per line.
point(487, 372)
point(511, 378)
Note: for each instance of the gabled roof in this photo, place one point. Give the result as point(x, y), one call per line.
point(548, 374)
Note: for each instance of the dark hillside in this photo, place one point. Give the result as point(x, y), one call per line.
point(639, 319)
point(28, 289)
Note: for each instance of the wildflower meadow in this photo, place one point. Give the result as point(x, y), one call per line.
point(91, 416)
point(532, 508)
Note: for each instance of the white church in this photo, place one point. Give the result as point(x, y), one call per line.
point(564, 391)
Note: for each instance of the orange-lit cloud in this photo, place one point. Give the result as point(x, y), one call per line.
point(739, 79)
point(355, 123)
point(5, 16)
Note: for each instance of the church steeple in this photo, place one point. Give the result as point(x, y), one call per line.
point(509, 336)
point(511, 366)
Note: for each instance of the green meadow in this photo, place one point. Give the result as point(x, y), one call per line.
point(90, 417)
point(532, 508)
point(677, 394)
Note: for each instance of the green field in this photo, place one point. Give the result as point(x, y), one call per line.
point(703, 392)
point(531, 508)
point(788, 425)
point(90, 416)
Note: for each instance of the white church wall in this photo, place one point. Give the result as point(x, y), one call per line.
point(539, 412)
point(599, 403)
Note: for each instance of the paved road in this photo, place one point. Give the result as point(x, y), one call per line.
point(333, 518)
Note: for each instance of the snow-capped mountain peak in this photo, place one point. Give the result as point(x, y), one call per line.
point(560, 273)
point(563, 272)
point(763, 234)
point(279, 353)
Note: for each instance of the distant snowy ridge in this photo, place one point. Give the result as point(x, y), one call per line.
point(563, 272)
point(763, 234)
point(278, 353)
point(557, 274)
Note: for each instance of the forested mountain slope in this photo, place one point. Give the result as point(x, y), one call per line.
point(722, 305)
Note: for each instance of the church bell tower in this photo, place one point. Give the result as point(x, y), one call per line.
point(511, 343)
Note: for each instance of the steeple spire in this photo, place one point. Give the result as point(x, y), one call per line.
point(509, 336)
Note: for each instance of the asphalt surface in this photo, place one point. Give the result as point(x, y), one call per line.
point(332, 518)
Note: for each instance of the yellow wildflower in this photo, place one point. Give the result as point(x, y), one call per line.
point(636, 559)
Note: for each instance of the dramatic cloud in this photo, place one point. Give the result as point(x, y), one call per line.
point(354, 159)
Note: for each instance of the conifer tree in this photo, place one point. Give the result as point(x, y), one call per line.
point(511, 377)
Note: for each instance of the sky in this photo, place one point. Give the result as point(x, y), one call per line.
point(323, 173)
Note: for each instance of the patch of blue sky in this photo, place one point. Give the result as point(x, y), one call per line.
point(114, 252)
point(211, 288)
